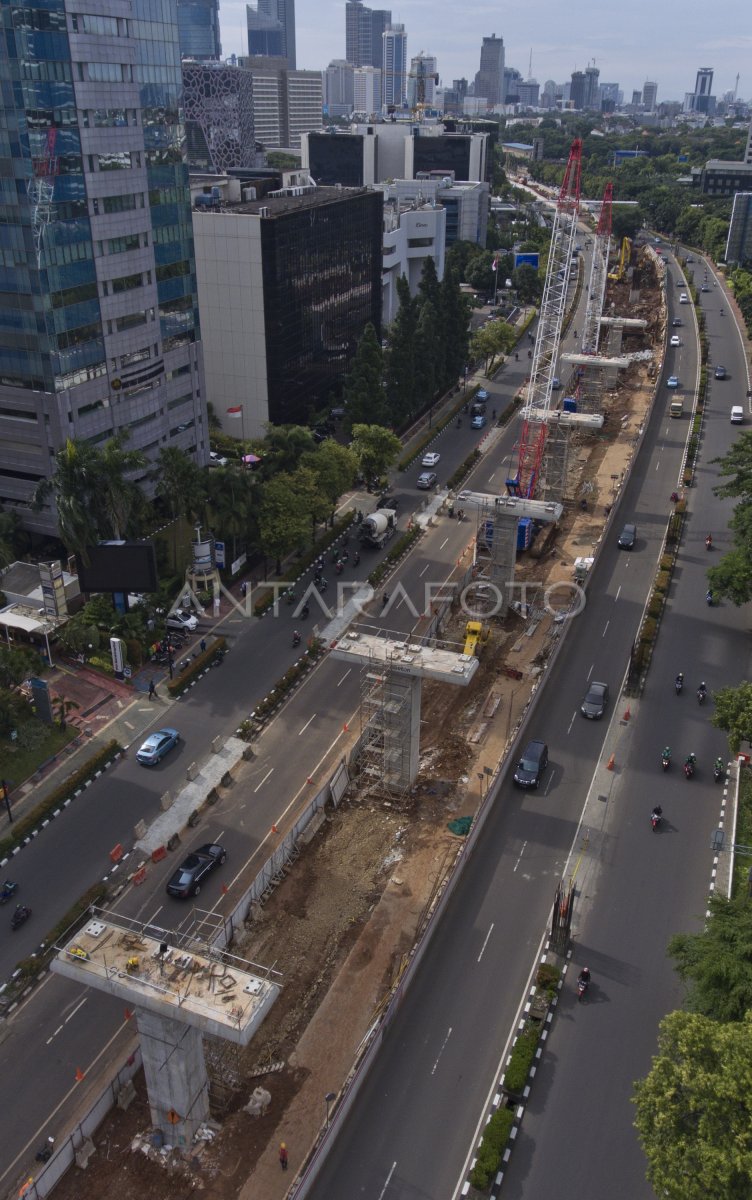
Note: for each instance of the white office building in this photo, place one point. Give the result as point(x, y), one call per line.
point(412, 233)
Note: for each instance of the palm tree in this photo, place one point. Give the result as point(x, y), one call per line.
point(75, 488)
point(286, 444)
point(230, 496)
point(120, 497)
point(181, 485)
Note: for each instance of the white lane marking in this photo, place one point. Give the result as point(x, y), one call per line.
point(344, 677)
point(618, 593)
point(590, 672)
point(424, 570)
point(57, 1031)
point(571, 723)
point(605, 628)
point(443, 544)
point(519, 857)
point(75, 1010)
point(441, 1051)
point(308, 722)
point(485, 941)
point(388, 1180)
point(263, 781)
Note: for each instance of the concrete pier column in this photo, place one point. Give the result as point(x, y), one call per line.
point(176, 1080)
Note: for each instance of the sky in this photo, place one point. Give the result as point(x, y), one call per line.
point(661, 40)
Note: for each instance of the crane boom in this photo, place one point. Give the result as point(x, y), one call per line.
point(540, 388)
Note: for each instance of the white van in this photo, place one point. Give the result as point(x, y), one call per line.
point(737, 414)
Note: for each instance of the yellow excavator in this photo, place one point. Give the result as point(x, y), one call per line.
point(473, 636)
point(619, 270)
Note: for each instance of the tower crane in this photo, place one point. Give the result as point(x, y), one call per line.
point(538, 408)
point(598, 275)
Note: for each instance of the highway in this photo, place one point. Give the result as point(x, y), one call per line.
point(69, 1026)
point(414, 1122)
point(644, 887)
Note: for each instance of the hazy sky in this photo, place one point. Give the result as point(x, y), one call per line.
point(664, 40)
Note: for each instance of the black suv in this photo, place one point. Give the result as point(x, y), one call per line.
point(532, 764)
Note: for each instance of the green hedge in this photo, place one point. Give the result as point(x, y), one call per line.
point(24, 826)
point(547, 978)
point(463, 470)
point(408, 459)
point(292, 675)
point(491, 1150)
point(521, 1059)
point(195, 667)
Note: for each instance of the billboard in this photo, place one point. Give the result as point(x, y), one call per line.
point(532, 259)
point(119, 567)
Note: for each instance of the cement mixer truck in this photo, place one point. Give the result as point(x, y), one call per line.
point(379, 527)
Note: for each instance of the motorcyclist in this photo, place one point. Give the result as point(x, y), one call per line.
point(709, 541)
point(385, 600)
point(584, 976)
point(666, 752)
point(702, 689)
point(721, 312)
point(719, 765)
point(304, 610)
point(296, 637)
point(709, 597)
point(657, 811)
point(679, 681)
point(691, 761)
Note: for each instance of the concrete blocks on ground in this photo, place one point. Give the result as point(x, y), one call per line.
point(217, 744)
point(191, 772)
point(139, 830)
point(165, 801)
point(126, 1095)
point(84, 1153)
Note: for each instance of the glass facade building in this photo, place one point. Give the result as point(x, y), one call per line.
point(99, 327)
point(321, 271)
point(198, 29)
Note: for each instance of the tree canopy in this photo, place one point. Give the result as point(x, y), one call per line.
point(694, 1109)
point(375, 449)
point(733, 714)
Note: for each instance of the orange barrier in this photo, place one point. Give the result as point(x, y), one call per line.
point(158, 854)
point(140, 876)
point(116, 853)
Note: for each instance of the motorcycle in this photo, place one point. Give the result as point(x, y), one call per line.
point(656, 817)
point(22, 914)
point(45, 1153)
point(582, 986)
point(719, 771)
point(356, 558)
point(701, 695)
point(709, 599)
point(665, 761)
point(218, 658)
point(339, 567)
point(678, 683)
point(708, 542)
point(9, 888)
point(304, 611)
point(296, 639)
point(689, 767)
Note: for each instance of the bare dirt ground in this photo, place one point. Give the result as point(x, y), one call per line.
point(345, 917)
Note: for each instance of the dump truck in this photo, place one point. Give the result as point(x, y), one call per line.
point(379, 527)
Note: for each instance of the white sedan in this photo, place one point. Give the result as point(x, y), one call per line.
point(431, 459)
point(675, 340)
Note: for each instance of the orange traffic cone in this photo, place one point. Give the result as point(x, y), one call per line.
point(610, 763)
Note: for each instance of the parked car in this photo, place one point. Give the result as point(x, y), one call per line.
point(532, 764)
point(720, 372)
point(426, 480)
point(628, 537)
point(187, 879)
point(675, 340)
point(430, 460)
point(156, 746)
point(481, 394)
point(596, 699)
point(672, 381)
point(182, 620)
point(218, 460)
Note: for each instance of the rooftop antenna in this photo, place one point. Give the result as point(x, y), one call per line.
point(530, 65)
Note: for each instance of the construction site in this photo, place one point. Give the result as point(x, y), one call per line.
point(341, 924)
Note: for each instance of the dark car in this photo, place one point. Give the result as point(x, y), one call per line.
point(628, 537)
point(720, 372)
point(531, 766)
point(188, 878)
point(156, 746)
point(676, 322)
point(596, 699)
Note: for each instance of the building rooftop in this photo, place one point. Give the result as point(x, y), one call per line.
point(293, 201)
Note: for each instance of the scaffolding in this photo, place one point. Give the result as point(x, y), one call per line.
point(386, 702)
point(41, 190)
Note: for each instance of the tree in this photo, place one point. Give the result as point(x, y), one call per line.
point(365, 399)
point(375, 448)
point(17, 665)
point(119, 498)
point(454, 316)
point(527, 283)
point(694, 1109)
point(74, 486)
point(180, 484)
point(400, 369)
point(284, 518)
point(285, 447)
point(733, 714)
point(10, 536)
point(334, 468)
point(231, 493)
point(428, 352)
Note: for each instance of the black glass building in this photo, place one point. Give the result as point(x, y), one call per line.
point(198, 29)
point(321, 270)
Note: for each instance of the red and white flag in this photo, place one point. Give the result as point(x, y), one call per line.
point(495, 265)
point(237, 411)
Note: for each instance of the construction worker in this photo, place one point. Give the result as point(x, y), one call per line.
point(283, 1156)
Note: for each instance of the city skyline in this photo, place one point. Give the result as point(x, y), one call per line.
point(629, 54)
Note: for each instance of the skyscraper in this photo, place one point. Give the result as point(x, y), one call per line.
point(489, 80)
point(394, 71)
point(198, 29)
point(218, 106)
point(649, 96)
point(577, 90)
point(339, 88)
point(363, 34)
point(367, 90)
point(99, 330)
point(421, 83)
point(271, 29)
point(700, 100)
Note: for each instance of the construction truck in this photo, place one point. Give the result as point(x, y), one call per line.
point(378, 528)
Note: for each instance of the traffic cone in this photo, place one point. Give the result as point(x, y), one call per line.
point(128, 1014)
point(610, 764)
point(627, 714)
point(345, 728)
point(274, 829)
point(309, 780)
point(79, 1075)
